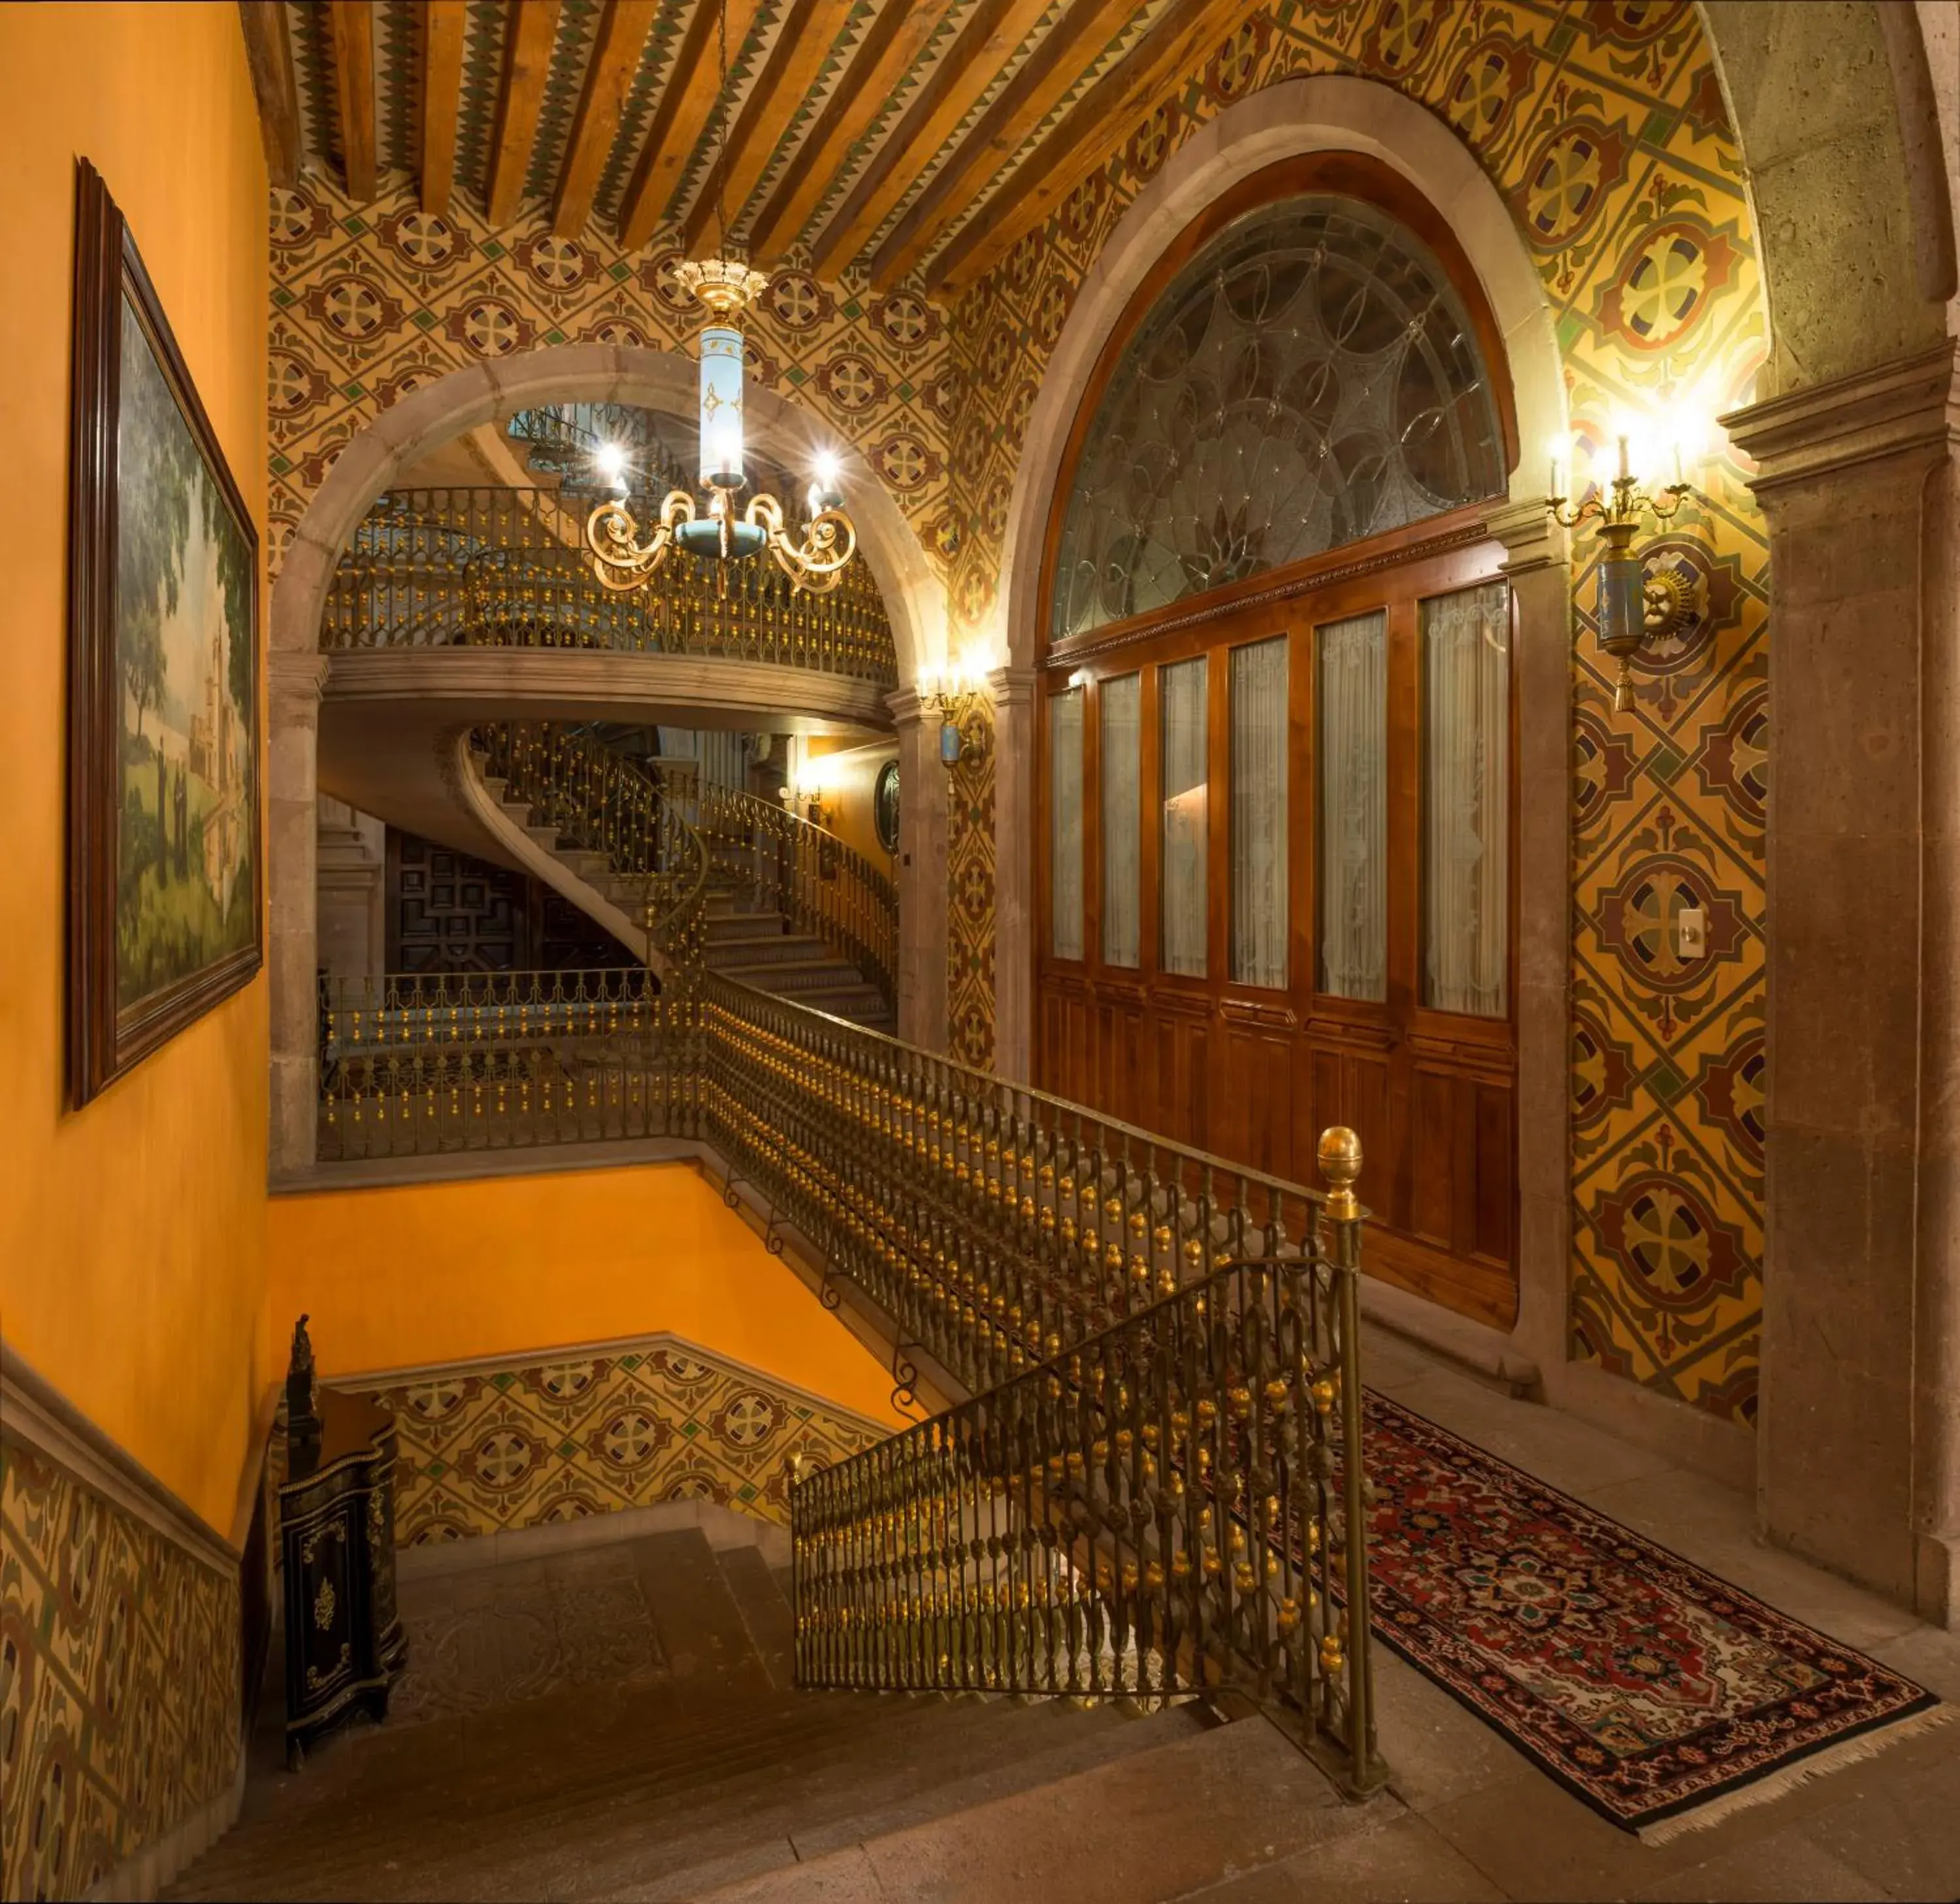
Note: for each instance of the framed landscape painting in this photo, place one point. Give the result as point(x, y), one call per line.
point(164, 917)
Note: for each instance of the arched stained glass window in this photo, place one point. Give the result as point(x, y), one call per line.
point(1309, 379)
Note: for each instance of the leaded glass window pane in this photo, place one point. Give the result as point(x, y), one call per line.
point(1466, 666)
point(1064, 734)
point(1120, 700)
point(1259, 681)
point(1352, 703)
point(1310, 378)
point(1186, 817)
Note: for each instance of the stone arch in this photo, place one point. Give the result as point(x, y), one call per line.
point(1296, 115)
point(1282, 121)
point(656, 380)
point(663, 380)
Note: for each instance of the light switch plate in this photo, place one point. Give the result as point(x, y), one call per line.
point(1690, 932)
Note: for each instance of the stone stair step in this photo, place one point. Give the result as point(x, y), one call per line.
point(766, 1612)
point(1243, 1796)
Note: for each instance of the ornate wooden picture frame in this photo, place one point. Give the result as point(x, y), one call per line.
point(165, 913)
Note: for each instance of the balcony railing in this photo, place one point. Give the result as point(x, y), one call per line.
point(643, 854)
point(507, 568)
point(1152, 1492)
point(773, 860)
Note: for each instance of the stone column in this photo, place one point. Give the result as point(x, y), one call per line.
point(296, 680)
point(351, 871)
point(1013, 689)
point(1537, 561)
point(1856, 1432)
point(921, 872)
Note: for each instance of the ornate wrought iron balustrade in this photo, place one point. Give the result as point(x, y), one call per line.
point(773, 860)
point(1159, 1510)
point(496, 567)
point(653, 861)
point(414, 1064)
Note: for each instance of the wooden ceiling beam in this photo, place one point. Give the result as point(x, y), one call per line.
point(354, 70)
point(809, 32)
point(993, 32)
point(268, 52)
point(884, 54)
point(1094, 129)
point(531, 36)
point(686, 106)
point(623, 28)
point(443, 22)
point(1072, 46)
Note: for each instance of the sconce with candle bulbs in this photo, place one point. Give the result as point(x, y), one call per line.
point(954, 693)
point(1635, 607)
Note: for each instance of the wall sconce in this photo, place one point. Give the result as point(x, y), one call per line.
point(1635, 607)
point(810, 789)
point(953, 694)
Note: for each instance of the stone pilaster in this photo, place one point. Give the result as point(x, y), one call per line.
point(350, 878)
point(921, 873)
point(1539, 564)
point(1861, 1327)
point(292, 825)
point(1013, 689)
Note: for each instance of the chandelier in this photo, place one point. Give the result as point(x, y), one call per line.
point(724, 528)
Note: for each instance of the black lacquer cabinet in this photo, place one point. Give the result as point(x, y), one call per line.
point(344, 1645)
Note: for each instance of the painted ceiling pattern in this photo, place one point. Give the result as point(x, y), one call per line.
point(1603, 126)
point(848, 83)
point(545, 1439)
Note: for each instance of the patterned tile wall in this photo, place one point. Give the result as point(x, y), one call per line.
point(531, 1442)
point(120, 1700)
point(368, 303)
point(1604, 126)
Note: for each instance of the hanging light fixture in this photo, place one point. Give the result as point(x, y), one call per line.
point(724, 529)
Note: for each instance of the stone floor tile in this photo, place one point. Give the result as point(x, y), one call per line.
point(1404, 1862)
point(1534, 1841)
point(1929, 1654)
point(1783, 1869)
point(1437, 1748)
point(845, 1876)
point(1390, 1362)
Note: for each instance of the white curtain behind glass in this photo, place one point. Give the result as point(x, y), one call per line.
point(1466, 652)
point(1259, 681)
point(1352, 705)
point(1184, 823)
point(1064, 729)
point(1122, 703)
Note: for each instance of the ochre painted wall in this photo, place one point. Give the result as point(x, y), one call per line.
point(132, 1233)
point(850, 779)
point(413, 1274)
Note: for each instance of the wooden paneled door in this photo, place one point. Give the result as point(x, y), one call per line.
point(1254, 1072)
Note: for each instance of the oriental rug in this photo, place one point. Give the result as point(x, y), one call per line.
point(1664, 1698)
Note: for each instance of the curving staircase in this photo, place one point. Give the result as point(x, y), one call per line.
point(676, 870)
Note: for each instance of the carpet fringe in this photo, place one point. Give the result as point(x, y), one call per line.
point(1759, 1791)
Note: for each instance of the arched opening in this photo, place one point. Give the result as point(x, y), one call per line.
point(437, 413)
point(1275, 751)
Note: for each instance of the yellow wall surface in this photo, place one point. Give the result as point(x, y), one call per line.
point(414, 1275)
point(131, 1233)
point(849, 778)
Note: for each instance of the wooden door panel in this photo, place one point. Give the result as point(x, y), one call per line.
point(1434, 1164)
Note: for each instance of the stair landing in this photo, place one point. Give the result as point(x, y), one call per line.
point(620, 1721)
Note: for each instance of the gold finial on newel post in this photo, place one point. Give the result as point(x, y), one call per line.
point(1341, 1164)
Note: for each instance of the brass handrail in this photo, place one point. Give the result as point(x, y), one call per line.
point(1161, 1510)
point(651, 855)
point(773, 860)
point(496, 567)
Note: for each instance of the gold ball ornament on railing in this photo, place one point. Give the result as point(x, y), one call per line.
point(1340, 1158)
